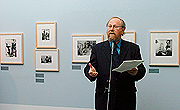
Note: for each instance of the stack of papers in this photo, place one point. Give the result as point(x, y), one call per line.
point(128, 65)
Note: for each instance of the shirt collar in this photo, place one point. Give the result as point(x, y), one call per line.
point(118, 43)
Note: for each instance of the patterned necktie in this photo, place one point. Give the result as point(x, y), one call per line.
point(115, 57)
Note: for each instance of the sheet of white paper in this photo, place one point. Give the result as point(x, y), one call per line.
point(128, 65)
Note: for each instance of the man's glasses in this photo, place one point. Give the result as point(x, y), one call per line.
point(113, 26)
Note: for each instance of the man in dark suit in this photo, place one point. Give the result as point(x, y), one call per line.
point(122, 94)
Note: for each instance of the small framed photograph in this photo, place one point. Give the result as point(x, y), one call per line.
point(130, 36)
point(164, 48)
point(81, 46)
point(46, 35)
point(46, 59)
point(11, 48)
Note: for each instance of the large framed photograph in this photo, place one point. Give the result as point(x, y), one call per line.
point(164, 48)
point(81, 46)
point(46, 59)
point(11, 48)
point(45, 34)
point(130, 36)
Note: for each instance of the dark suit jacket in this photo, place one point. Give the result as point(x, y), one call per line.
point(122, 84)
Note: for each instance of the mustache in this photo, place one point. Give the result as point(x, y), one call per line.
point(111, 32)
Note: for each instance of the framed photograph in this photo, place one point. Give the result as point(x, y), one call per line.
point(130, 36)
point(46, 59)
point(164, 48)
point(46, 35)
point(81, 46)
point(11, 48)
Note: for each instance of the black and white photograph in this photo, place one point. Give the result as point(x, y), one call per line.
point(46, 59)
point(46, 35)
point(85, 47)
point(164, 48)
point(11, 48)
point(81, 46)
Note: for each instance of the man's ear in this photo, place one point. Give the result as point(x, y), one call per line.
point(123, 29)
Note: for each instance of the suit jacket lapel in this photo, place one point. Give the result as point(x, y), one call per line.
point(124, 49)
point(106, 50)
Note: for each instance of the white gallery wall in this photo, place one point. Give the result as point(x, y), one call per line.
point(68, 87)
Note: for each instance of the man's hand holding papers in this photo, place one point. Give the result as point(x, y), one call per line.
point(133, 71)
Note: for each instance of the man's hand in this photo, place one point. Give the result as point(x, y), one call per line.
point(92, 71)
point(133, 71)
